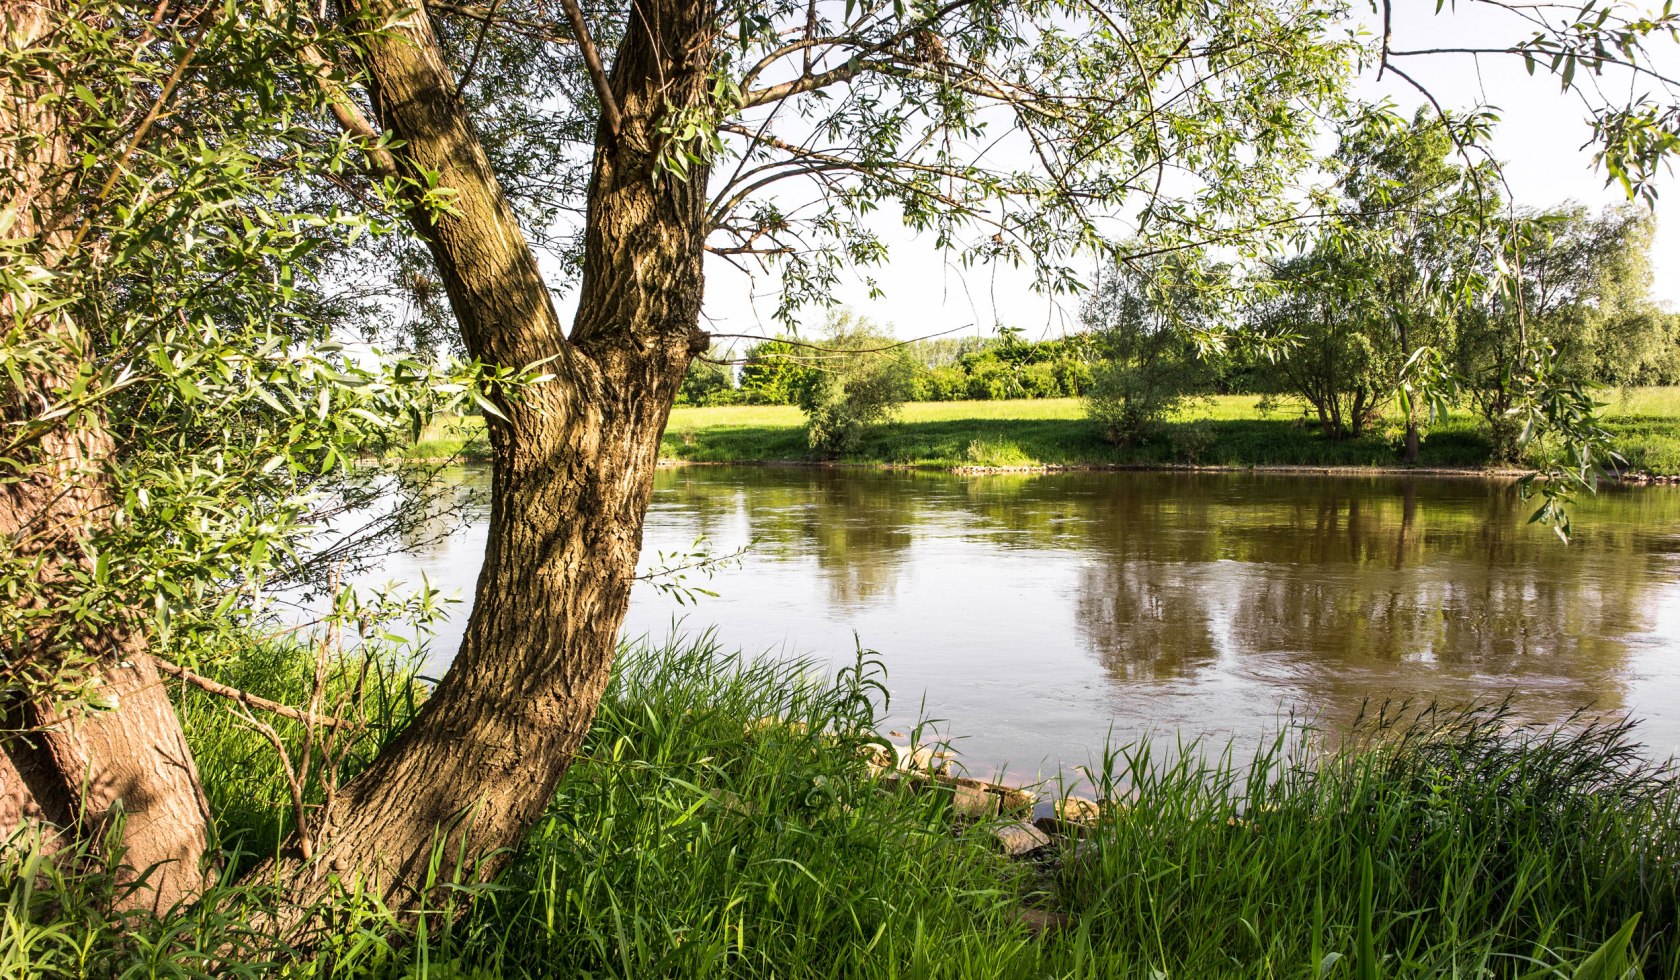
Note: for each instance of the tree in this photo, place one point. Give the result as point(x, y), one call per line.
point(861, 381)
point(1148, 318)
point(1310, 308)
point(1407, 237)
point(1584, 291)
point(773, 372)
point(690, 136)
point(175, 407)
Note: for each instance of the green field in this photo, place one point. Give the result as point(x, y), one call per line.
point(1227, 430)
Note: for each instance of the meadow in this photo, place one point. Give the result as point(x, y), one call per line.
point(722, 821)
point(1225, 430)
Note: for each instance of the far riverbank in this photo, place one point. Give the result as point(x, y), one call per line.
point(1225, 432)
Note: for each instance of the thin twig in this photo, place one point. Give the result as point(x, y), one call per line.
point(478, 49)
point(247, 698)
point(294, 783)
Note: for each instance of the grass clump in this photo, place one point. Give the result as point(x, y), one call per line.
point(1432, 843)
point(721, 822)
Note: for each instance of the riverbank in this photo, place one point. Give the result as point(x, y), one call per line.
point(1234, 431)
point(727, 817)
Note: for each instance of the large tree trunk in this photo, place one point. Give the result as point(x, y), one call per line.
point(71, 770)
point(574, 462)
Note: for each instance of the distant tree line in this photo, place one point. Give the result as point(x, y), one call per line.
point(1421, 282)
point(1422, 278)
point(775, 372)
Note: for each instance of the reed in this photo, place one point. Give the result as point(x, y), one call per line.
point(722, 822)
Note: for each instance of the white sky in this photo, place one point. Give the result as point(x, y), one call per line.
point(1539, 140)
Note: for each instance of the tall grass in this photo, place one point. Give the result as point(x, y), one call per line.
point(721, 822)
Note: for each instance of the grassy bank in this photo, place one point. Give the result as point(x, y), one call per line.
point(1231, 430)
point(694, 838)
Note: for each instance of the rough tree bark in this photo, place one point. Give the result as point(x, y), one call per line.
point(574, 462)
point(75, 771)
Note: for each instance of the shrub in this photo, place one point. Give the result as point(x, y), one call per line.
point(707, 383)
point(1039, 381)
point(940, 384)
point(774, 372)
point(992, 380)
point(1192, 441)
point(1073, 376)
point(1131, 401)
point(853, 392)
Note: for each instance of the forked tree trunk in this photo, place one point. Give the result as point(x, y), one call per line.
point(574, 462)
point(76, 772)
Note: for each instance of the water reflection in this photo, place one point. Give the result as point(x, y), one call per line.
point(1039, 612)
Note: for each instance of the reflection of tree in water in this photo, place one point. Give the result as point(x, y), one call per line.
point(1146, 620)
point(859, 528)
point(1336, 578)
point(856, 524)
point(711, 507)
point(1336, 586)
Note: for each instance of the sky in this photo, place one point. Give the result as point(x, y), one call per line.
point(1539, 139)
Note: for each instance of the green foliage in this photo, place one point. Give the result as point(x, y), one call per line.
point(721, 819)
point(193, 315)
point(1584, 292)
point(1147, 319)
point(853, 390)
point(1119, 94)
point(707, 382)
point(774, 373)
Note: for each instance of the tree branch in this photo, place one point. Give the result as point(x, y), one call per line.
point(248, 699)
point(542, 30)
point(597, 73)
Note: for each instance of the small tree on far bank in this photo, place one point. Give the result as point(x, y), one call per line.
point(773, 373)
point(859, 383)
point(1145, 319)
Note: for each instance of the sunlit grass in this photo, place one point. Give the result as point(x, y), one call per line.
point(1245, 431)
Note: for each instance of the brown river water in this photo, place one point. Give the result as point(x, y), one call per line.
point(1040, 616)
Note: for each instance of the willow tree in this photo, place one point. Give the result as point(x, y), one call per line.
point(761, 133)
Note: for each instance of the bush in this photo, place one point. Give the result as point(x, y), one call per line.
point(853, 392)
point(774, 372)
point(1074, 377)
point(1039, 381)
point(1192, 441)
point(707, 383)
point(1130, 402)
point(940, 384)
point(992, 380)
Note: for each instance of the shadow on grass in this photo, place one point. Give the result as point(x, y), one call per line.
point(1073, 442)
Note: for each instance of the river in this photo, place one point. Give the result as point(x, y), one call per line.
point(1038, 616)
